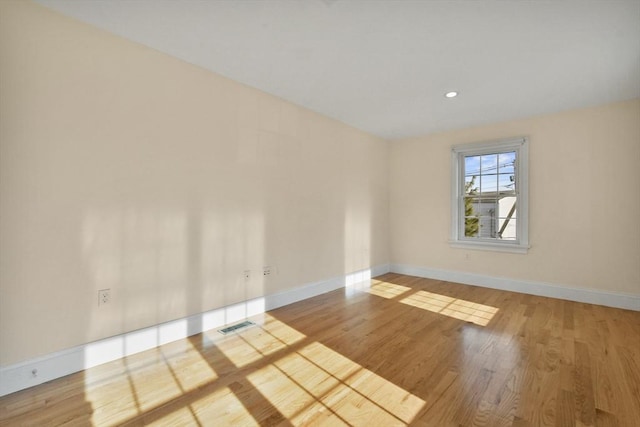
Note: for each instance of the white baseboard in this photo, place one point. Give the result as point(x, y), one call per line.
point(590, 296)
point(55, 365)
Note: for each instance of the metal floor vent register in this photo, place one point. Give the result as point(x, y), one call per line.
point(236, 327)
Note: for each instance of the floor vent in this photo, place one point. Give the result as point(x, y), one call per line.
point(236, 327)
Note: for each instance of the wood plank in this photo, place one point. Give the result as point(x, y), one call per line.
point(585, 404)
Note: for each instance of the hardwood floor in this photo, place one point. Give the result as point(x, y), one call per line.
point(400, 351)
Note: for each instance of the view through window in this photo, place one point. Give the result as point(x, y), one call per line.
point(490, 199)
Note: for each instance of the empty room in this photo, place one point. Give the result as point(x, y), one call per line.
point(319, 213)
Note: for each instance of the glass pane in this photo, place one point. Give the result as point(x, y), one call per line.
point(506, 182)
point(489, 163)
point(488, 184)
point(486, 209)
point(506, 162)
point(471, 227)
point(487, 229)
point(508, 228)
point(470, 185)
point(507, 207)
point(471, 165)
point(471, 222)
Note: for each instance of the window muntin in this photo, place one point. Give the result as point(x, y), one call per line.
point(489, 200)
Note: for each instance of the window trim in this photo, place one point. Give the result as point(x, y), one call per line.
point(458, 152)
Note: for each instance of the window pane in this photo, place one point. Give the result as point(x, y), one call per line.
point(487, 229)
point(486, 209)
point(488, 184)
point(506, 182)
point(472, 165)
point(508, 227)
point(470, 185)
point(489, 163)
point(506, 162)
point(471, 222)
point(507, 207)
point(471, 227)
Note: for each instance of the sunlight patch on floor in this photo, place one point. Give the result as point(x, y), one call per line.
point(221, 405)
point(179, 417)
point(393, 399)
point(258, 341)
point(191, 370)
point(238, 351)
point(154, 385)
point(103, 399)
point(386, 290)
point(282, 331)
point(302, 382)
point(467, 311)
point(286, 395)
point(331, 361)
point(321, 384)
point(262, 341)
point(174, 370)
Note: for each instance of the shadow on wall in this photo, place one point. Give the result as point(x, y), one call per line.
point(163, 265)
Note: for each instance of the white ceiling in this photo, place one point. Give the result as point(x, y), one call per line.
point(383, 66)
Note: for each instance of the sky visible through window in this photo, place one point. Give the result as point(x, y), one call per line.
point(492, 172)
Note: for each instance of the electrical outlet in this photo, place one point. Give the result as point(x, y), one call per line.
point(104, 296)
point(247, 274)
point(266, 271)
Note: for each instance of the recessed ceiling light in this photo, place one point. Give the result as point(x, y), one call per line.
point(451, 94)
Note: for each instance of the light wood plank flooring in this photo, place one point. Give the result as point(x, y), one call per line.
point(400, 350)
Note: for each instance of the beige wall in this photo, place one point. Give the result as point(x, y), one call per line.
point(584, 200)
point(124, 168)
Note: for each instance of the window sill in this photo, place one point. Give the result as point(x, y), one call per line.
point(489, 246)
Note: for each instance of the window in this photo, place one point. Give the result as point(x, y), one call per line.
point(489, 195)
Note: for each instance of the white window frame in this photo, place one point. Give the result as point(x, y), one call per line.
point(458, 152)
